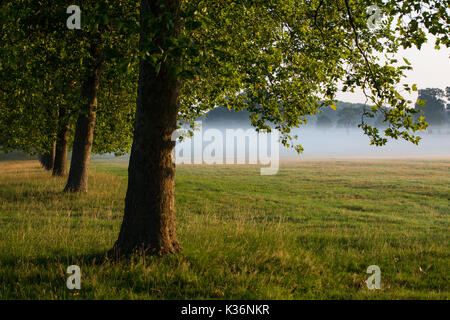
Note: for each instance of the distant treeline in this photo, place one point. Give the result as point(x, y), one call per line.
point(348, 115)
point(16, 155)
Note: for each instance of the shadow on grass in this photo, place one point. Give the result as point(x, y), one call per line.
point(13, 193)
point(92, 259)
point(87, 259)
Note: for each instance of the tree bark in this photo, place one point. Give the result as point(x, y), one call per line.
point(47, 159)
point(148, 225)
point(62, 140)
point(84, 130)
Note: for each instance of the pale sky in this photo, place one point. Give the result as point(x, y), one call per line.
point(431, 70)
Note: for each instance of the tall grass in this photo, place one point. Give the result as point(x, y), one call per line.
point(309, 232)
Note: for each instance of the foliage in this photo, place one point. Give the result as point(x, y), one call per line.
point(44, 66)
point(282, 61)
point(431, 100)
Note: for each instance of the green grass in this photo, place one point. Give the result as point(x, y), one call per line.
point(309, 232)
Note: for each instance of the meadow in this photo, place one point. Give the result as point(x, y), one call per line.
point(309, 232)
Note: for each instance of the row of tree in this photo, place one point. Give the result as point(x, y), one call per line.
point(50, 85)
point(279, 60)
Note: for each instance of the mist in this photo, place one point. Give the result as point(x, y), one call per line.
point(331, 143)
point(352, 143)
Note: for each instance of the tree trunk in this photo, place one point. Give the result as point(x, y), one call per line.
point(84, 131)
point(62, 140)
point(48, 158)
point(148, 225)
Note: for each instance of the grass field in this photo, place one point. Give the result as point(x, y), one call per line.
point(309, 232)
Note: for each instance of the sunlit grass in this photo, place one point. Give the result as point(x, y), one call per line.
point(309, 232)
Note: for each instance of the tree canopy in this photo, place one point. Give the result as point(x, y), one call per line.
point(44, 65)
point(431, 100)
point(282, 61)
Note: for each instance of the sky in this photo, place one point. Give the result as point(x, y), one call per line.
point(431, 70)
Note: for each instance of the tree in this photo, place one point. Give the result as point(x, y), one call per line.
point(433, 105)
point(48, 158)
point(279, 60)
point(348, 116)
point(36, 77)
point(27, 94)
point(61, 64)
point(106, 40)
point(115, 103)
point(447, 95)
point(61, 144)
point(84, 132)
point(324, 122)
point(151, 172)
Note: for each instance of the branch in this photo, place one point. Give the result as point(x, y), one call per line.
point(355, 32)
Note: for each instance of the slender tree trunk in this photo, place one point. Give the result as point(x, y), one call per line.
point(62, 140)
point(149, 221)
point(48, 158)
point(84, 131)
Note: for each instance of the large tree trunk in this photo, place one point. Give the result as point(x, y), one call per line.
point(47, 159)
point(84, 131)
point(148, 225)
point(62, 141)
